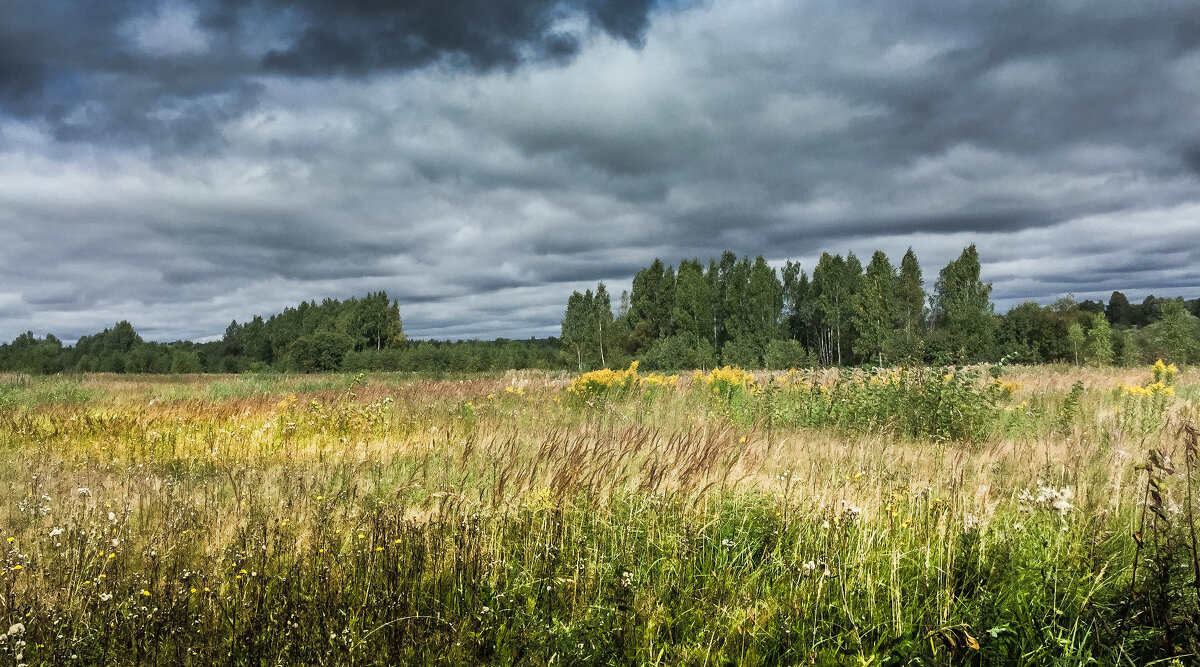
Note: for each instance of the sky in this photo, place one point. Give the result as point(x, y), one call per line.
point(185, 163)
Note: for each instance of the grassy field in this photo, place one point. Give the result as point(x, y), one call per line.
point(918, 517)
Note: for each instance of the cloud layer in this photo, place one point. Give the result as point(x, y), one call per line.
point(182, 164)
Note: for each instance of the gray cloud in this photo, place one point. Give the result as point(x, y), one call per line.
point(183, 163)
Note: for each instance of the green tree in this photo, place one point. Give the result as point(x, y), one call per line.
point(910, 300)
point(1099, 342)
point(185, 361)
point(963, 315)
point(693, 301)
point(782, 355)
point(376, 322)
point(1176, 337)
point(575, 329)
point(600, 323)
point(1120, 313)
point(320, 351)
point(1076, 339)
point(876, 309)
point(834, 283)
point(797, 303)
point(1029, 333)
point(652, 304)
point(1128, 349)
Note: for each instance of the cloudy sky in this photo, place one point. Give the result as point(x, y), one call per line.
point(182, 163)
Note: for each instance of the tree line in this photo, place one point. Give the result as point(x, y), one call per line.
point(730, 310)
point(358, 334)
point(746, 313)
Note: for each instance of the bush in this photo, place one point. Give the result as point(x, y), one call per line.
point(742, 353)
point(319, 351)
point(679, 352)
point(782, 355)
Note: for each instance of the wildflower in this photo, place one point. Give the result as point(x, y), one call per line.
point(728, 544)
point(105, 597)
point(145, 592)
point(56, 532)
point(84, 492)
point(16, 629)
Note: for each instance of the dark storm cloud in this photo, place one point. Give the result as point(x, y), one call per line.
point(169, 74)
point(186, 162)
point(368, 35)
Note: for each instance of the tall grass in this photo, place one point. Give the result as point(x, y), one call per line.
point(506, 520)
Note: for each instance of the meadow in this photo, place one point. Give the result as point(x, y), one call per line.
point(985, 515)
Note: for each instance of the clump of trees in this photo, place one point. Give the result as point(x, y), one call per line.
point(746, 313)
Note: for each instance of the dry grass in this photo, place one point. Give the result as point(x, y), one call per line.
point(355, 502)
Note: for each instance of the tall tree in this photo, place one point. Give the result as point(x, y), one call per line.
point(601, 322)
point(910, 294)
point(1099, 342)
point(1076, 339)
point(754, 309)
point(652, 304)
point(876, 309)
point(835, 281)
point(693, 315)
point(963, 314)
point(1120, 313)
point(376, 322)
point(575, 325)
point(797, 304)
point(1176, 337)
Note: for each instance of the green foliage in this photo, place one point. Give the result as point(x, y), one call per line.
point(910, 297)
point(877, 310)
point(651, 305)
point(319, 351)
point(679, 352)
point(835, 282)
point(1099, 342)
point(1176, 337)
point(1069, 408)
point(1076, 339)
point(742, 352)
point(782, 355)
point(185, 361)
point(945, 405)
point(962, 310)
point(27, 393)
